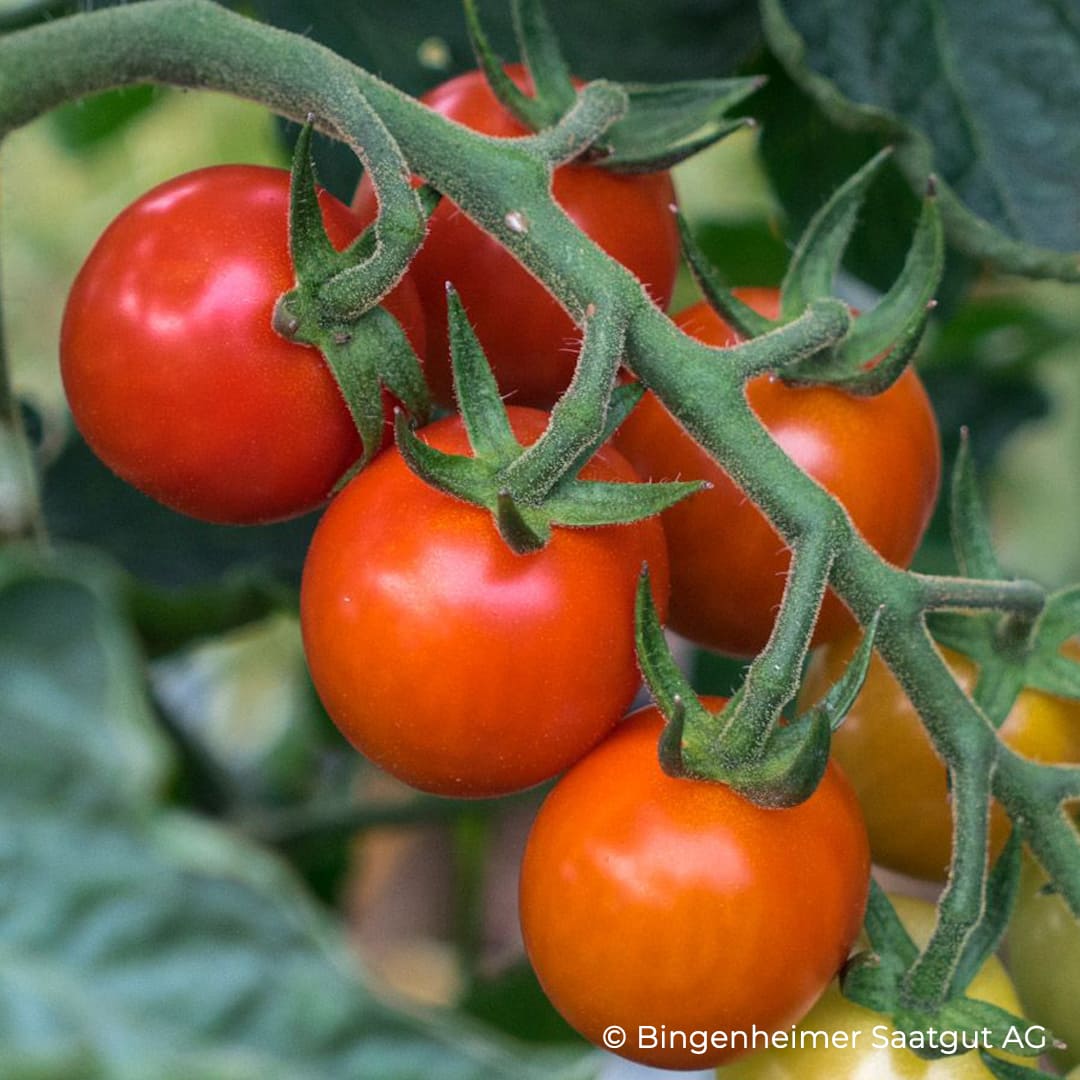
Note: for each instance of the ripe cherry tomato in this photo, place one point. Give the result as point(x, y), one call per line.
point(860, 1042)
point(172, 370)
point(1044, 961)
point(878, 455)
point(456, 665)
point(679, 906)
point(529, 340)
point(901, 782)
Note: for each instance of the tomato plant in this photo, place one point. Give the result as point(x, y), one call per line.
point(529, 339)
point(453, 663)
point(727, 563)
point(901, 782)
point(649, 900)
point(172, 370)
point(1044, 961)
point(861, 1042)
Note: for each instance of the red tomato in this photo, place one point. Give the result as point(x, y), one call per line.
point(901, 782)
point(456, 665)
point(529, 340)
point(878, 455)
point(172, 370)
point(677, 907)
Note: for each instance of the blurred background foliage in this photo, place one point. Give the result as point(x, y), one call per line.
point(157, 670)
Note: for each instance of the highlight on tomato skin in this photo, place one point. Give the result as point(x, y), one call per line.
point(529, 339)
point(677, 905)
point(172, 370)
point(728, 564)
point(453, 663)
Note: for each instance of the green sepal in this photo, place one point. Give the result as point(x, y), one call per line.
point(816, 260)
point(1002, 887)
point(354, 361)
point(747, 322)
point(313, 256)
point(788, 770)
point(543, 56)
point(1047, 669)
point(886, 932)
point(365, 352)
point(586, 503)
point(977, 1018)
point(476, 391)
point(901, 313)
point(534, 113)
point(523, 531)
point(972, 543)
point(669, 122)
point(463, 477)
point(839, 698)
point(669, 687)
point(703, 745)
point(483, 477)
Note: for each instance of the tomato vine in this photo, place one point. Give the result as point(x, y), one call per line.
point(505, 189)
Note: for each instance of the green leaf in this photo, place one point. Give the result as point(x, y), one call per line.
point(998, 126)
point(92, 121)
point(141, 942)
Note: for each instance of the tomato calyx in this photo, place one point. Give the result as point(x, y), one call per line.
point(662, 124)
point(881, 342)
point(527, 502)
point(334, 308)
point(746, 745)
point(880, 978)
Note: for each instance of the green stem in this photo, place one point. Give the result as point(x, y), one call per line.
point(960, 908)
point(578, 416)
point(976, 594)
point(773, 678)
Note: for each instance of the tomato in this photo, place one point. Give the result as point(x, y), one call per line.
point(901, 782)
point(856, 1042)
point(662, 906)
point(172, 370)
point(456, 665)
point(529, 340)
point(1044, 961)
point(878, 455)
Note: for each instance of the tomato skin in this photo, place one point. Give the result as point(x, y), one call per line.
point(901, 782)
point(879, 456)
point(529, 340)
point(172, 370)
point(647, 900)
point(456, 665)
point(834, 1014)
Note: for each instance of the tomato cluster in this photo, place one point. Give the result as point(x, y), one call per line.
point(467, 670)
